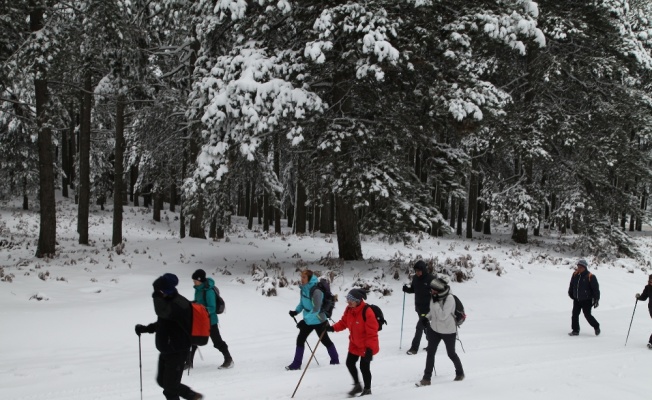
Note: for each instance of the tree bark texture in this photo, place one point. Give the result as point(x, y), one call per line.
point(84, 188)
point(118, 168)
point(348, 235)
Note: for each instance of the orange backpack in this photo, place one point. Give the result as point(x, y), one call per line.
point(201, 325)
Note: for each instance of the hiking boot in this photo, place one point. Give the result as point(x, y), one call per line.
point(292, 368)
point(356, 389)
point(649, 346)
point(574, 333)
point(198, 396)
point(459, 378)
point(365, 392)
point(424, 382)
point(228, 363)
point(412, 352)
point(597, 331)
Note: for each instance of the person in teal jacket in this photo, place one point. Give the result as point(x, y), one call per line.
point(205, 295)
point(313, 320)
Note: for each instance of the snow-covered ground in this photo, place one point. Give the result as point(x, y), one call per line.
point(78, 342)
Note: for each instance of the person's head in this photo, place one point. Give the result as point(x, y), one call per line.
point(649, 280)
point(199, 277)
point(420, 267)
point(306, 276)
point(438, 288)
point(355, 297)
point(582, 265)
point(166, 284)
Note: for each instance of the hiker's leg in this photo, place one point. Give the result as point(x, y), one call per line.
point(351, 359)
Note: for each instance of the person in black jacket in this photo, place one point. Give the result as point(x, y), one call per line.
point(647, 294)
point(585, 292)
point(172, 328)
point(421, 289)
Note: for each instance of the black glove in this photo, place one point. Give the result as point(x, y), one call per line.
point(140, 329)
point(293, 313)
point(595, 303)
point(301, 324)
point(424, 321)
point(638, 295)
point(368, 355)
point(329, 328)
point(406, 288)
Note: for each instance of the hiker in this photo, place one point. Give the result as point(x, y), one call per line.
point(647, 294)
point(441, 325)
point(206, 296)
point(421, 291)
point(363, 338)
point(172, 329)
point(585, 292)
point(314, 319)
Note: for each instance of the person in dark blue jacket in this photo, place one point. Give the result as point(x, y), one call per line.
point(585, 292)
point(314, 319)
point(421, 288)
point(206, 296)
point(647, 294)
point(172, 329)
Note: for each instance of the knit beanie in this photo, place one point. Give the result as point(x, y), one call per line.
point(199, 275)
point(356, 295)
point(166, 283)
point(421, 265)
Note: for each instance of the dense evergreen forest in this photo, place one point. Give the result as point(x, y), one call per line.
point(347, 117)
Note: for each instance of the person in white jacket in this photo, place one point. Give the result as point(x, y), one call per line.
point(440, 321)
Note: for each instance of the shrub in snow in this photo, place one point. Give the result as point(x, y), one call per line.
point(491, 264)
point(39, 297)
point(375, 284)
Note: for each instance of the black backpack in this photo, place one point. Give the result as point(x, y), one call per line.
point(460, 315)
point(219, 301)
point(377, 312)
point(328, 301)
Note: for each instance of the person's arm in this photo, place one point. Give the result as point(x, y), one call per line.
point(595, 288)
point(211, 300)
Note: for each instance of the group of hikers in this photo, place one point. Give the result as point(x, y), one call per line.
point(434, 304)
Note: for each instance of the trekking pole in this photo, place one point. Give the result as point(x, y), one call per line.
point(140, 364)
point(295, 321)
point(400, 344)
point(630, 322)
point(460, 340)
point(308, 364)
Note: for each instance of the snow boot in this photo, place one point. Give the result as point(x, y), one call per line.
point(424, 382)
point(597, 331)
point(649, 346)
point(459, 377)
point(365, 392)
point(411, 352)
point(228, 363)
point(332, 352)
point(356, 389)
point(298, 359)
point(197, 396)
point(573, 333)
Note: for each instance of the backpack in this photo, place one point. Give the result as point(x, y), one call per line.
point(220, 305)
point(201, 325)
point(378, 313)
point(460, 315)
point(328, 302)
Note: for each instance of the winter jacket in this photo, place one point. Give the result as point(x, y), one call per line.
point(311, 304)
point(205, 295)
point(442, 314)
point(647, 294)
point(363, 332)
point(421, 289)
point(174, 323)
point(584, 286)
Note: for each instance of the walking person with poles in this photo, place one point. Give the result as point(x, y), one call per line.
point(206, 296)
point(585, 292)
point(314, 319)
point(362, 324)
point(421, 290)
point(647, 295)
point(172, 328)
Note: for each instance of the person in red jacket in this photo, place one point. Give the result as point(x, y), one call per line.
point(361, 322)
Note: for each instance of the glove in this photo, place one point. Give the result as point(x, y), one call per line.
point(638, 296)
point(368, 355)
point(595, 303)
point(406, 288)
point(424, 320)
point(293, 313)
point(140, 329)
point(301, 324)
point(329, 328)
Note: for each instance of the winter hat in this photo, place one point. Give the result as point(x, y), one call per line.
point(356, 295)
point(199, 275)
point(582, 262)
point(166, 283)
point(420, 265)
point(441, 287)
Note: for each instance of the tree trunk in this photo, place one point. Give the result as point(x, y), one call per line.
point(519, 235)
point(267, 218)
point(212, 229)
point(156, 215)
point(453, 212)
point(300, 207)
point(65, 150)
point(182, 213)
point(473, 198)
point(25, 197)
point(84, 189)
point(196, 221)
point(247, 197)
point(348, 236)
point(48, 224)
point(277, 171)
point(460, 215)
point(252, 204)
point(479, 210)
point(325, 215)
point(118, 168)
point(173, 196)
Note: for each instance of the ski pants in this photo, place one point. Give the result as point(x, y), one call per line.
point(418, 334)
point(365, 368)
point(170, 371)
point(433, 342)
point(585, 307)
point(305, 329)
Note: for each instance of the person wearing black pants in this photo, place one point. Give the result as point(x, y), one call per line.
point(585, 292)
point(421, 290)
point(647, 294)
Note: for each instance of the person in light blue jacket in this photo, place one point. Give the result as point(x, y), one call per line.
point(313, 320)
point(206, 296)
